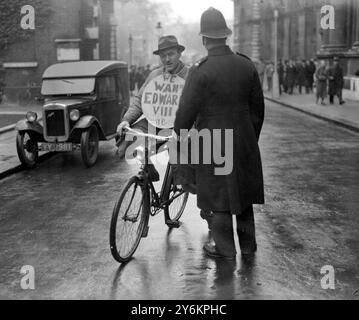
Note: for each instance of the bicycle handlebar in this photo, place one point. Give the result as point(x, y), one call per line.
point(138, 133)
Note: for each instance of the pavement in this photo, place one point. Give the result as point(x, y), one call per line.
point(346, 115)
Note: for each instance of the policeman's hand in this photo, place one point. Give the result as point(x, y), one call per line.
point(121, 127)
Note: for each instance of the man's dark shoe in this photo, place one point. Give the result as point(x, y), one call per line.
point(153, 174)
point(208, 216)
point(342, 102)
point(211, 251)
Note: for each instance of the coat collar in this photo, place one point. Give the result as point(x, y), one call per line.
point(178, 70)
point(220, 51)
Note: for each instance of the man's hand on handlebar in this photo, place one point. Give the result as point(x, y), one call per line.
point(121, 128)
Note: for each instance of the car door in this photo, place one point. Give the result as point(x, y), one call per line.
point(108, 102)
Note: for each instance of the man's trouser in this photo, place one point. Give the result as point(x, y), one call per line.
point(338, 94)
point(222, 232)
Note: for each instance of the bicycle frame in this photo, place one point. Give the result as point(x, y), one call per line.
point(143, 176)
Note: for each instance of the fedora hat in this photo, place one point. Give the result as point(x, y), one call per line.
point(213, 24)
point(168, 42)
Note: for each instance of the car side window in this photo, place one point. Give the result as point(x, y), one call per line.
point(107, 87)
point(120, 89)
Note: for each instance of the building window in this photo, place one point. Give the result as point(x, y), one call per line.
point(68, 49)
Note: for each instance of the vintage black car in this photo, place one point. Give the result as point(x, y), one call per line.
point(84, 103)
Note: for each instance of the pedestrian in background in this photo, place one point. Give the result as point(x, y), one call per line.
point(281, 76)
point(140, 77)
point(269, 74)
point(336, 81)
point(301, 76)
point(285, 76)
point(147, 71)
point(223, 91)
point(260, 69)
point(312, 70)
point(132, 79)
point(291, 76)
point(2, 85)
point(308, 77)
point(321, 77)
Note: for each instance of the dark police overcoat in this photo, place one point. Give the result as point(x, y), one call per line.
point(223, 91)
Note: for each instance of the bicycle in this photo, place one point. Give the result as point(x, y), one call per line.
point(138, 201)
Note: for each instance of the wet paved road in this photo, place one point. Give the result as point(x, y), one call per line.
point(56, 218)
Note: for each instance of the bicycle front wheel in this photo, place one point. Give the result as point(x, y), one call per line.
point(129, 220)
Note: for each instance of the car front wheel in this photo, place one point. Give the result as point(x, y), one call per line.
point(89, 146)
point(26, 146)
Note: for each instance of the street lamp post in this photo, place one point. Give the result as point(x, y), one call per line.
point(159, 29)
point(275, 85)
point(130, 42)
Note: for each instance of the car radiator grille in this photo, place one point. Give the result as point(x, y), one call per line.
point(55, 123)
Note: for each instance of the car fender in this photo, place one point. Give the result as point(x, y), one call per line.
point(87, 121)
point(25, 125)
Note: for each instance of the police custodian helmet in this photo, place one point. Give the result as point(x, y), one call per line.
point(213, 24)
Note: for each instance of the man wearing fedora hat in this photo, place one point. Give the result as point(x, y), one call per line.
point(223, 91)
point(169, 51)
point(336, 81)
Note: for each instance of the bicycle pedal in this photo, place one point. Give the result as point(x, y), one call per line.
point(145, 232)
point(173, 224)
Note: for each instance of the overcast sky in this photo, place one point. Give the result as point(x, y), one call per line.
point(191, 10)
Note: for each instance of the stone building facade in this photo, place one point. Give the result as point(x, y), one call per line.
point(300, 35)
point(76, 30)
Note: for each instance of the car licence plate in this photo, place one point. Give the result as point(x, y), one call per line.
point(56, 147)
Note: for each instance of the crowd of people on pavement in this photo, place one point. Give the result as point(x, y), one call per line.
point(303, 76)
point(138, 76)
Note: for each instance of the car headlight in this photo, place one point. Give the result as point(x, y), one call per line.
point(74, 115)
point(31, 116)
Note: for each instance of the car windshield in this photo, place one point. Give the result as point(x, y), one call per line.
point(68, 86)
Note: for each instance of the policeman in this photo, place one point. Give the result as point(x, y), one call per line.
point(223, 91)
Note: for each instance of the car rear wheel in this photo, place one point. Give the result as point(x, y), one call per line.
point(89, 146)
point(26, 146)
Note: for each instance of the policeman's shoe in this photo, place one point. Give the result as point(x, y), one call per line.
point(208, 216)
point(342, 102)
point(153, 174)
point(211, 251)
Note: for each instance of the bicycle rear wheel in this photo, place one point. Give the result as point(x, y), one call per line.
point(177, 199)
point(129, 220)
